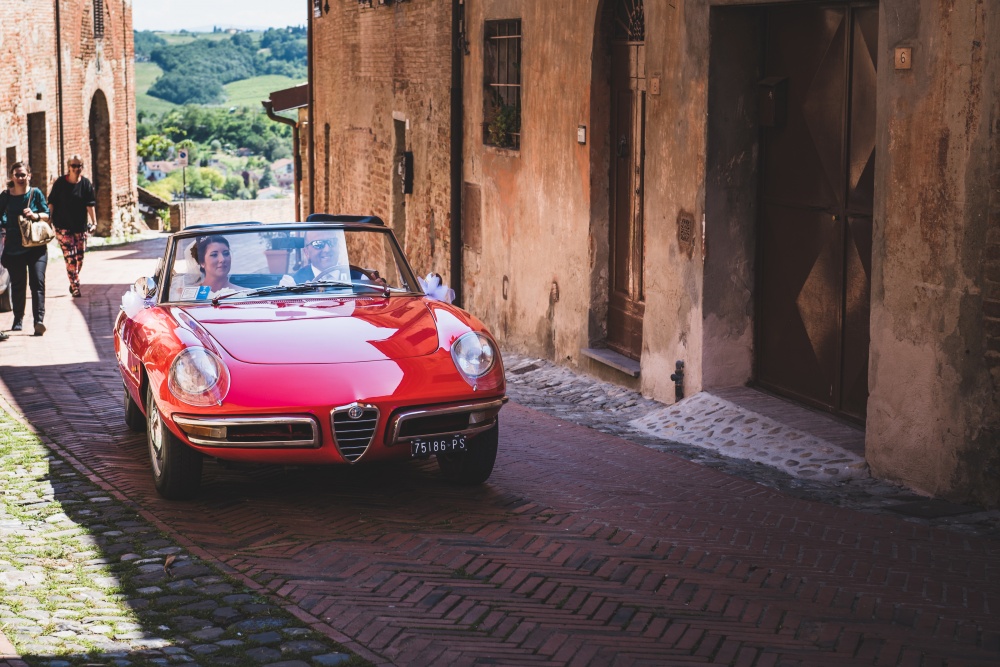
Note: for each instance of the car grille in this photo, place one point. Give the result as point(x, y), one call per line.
point(353, 428)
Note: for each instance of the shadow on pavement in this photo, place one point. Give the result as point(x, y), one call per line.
point(88, 573)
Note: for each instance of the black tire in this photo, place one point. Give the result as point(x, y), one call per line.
point(134, 418)
point(176, 467)
point(474, 465)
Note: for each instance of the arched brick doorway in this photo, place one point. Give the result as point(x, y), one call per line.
point(100, 158)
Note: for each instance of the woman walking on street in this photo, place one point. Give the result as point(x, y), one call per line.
point(25, 265)
point(72, 201)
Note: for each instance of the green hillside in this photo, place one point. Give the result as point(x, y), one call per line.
point(175, 38)
point(250, 92)
point(145, 75)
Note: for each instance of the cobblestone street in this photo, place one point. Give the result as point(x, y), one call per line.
point(596, 542)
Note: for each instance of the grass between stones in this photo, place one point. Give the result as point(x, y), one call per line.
point(84, 580)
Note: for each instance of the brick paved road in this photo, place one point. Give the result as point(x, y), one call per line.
point(584, 549)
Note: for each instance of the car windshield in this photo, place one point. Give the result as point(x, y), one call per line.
point(222, 264)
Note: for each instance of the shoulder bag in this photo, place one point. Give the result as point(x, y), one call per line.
point(34, 232)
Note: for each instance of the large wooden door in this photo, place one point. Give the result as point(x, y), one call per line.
point(628, 128)
point(815, 227)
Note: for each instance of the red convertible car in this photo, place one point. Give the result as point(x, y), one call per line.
point(302, 343)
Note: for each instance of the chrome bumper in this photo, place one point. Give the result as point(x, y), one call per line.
point(466, 419)
point(302, 432)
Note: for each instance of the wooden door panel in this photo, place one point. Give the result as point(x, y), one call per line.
point(801, 273)
point(626, 237)
point(857, 317)
point(817, 189)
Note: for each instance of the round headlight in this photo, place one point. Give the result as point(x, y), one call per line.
point(473, 354)
point(198, 377)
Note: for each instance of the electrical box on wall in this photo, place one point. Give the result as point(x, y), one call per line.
point(404, 169)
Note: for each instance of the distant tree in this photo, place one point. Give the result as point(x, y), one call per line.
point(277, 148)
point(266, 179)
point(154, 147)
point(234, 188)
point(187, 89)
point(145, 42)
point(243, 40)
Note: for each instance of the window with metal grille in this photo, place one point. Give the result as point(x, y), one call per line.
point(99, 19)
point(630, 21)
point(502, 84)
point(318, 8)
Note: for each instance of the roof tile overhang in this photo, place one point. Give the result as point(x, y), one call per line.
point(290, 98)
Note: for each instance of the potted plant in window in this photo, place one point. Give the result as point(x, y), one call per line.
point(504, 122)
point(280, 245)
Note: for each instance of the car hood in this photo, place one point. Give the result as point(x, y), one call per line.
point(319, 331)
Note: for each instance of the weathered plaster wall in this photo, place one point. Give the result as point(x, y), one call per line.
point(544, 217)
point(677, 52)
point(732, 159)
point(369, 65)
point(932, 412)
point(535, 201)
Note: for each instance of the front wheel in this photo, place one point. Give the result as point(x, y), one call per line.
point(176, 467)
point(475, 464)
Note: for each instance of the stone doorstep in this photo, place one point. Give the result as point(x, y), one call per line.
point(611, 358)
point(708, 421)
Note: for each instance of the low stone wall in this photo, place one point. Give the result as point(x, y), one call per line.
point(202, 212)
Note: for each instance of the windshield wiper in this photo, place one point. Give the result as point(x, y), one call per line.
point(273, 289)
point(308, 286)
point(377, 284)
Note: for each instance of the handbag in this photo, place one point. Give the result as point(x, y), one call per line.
point(34, 232)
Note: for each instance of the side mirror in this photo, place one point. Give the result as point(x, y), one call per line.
point(145, 287)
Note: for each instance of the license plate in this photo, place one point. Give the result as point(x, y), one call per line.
point(450, 443)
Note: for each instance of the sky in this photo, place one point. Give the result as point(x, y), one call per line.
point(202, 15)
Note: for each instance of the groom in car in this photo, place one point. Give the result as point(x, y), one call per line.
point(322, 253)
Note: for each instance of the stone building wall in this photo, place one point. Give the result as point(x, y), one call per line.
point(98, 100)
point(934, 406)
point(933, 414)
point(536, 219)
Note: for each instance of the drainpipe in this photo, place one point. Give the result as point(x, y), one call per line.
point(59, 89)
point(457, 143)
point(297, 159)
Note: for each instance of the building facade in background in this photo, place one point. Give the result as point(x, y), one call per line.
point(67, 88)
point(799, 196)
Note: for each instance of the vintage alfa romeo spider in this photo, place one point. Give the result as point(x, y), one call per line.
point(302, 343)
